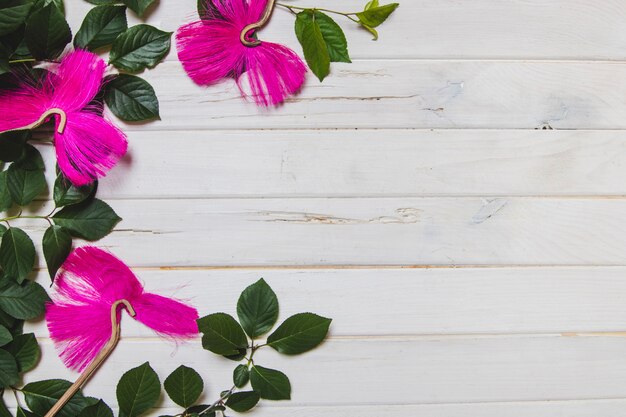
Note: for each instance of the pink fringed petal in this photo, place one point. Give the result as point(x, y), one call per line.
point(88, 147)
point(77, 80)
point(19, 108)
point(166, 316)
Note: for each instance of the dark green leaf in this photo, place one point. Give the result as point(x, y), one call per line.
point(42, 395)
point(140, 47)
point(101, 2)
point(5, 196)
point(313, 44)
point(100, 409)
point(8, 369)
point(138, 6)
point(131, 98)
point(222, 334)
point(257, 309)
point(57, 244)
point(101, 26)
point(47, 32)
point(13, 15)
point(184, 386)
point(299, 333)
point(65, 193)
point(270, 384)
point(6, 320)
point(12, 144)
point(241, 376)
point(25, 350)
point(5, 336)
point(4, 411)
point(243, 401)
point(25, 302)
point(375, 16)
point(334, 37)
point(25, 185)
point(90, 220)
point(30, 160)
point(17, 254)
point(22, 412)
point(138, 391)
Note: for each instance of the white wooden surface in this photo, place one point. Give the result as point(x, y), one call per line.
point(474, 262)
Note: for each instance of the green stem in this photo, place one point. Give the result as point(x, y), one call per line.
point(19, 216)
point(292, 8)
point(18, 61)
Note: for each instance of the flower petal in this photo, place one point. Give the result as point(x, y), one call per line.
point(77, 80)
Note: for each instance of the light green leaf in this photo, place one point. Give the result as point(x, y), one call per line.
point(257, 309)
point(375, 16)
point(313, 44)
point(140, 47)
point(101, 26)
point(334, 37)
point(138, 390)
point(184, 386)
point(131, 98)
point(299, 333)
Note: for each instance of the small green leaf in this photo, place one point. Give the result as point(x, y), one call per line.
point(101, 26)
point(138, 6)
point(243, 401)
point(5, 196)
point(8, 369)
point(371, 30)
point(313, 44)
point(25, 185)
point(24, 302)
point(25, 350)
point(375, 16)
point(47, 32)
point(138, 391)
point(90, 220)
point(334, 37)
point(12, 144)
point(65, 193)
point(17, 254)
point(270, 384)
point(241, 376)
point(5, 336)
point(257, 309)
point(57, 245)
point(13, 15)
point(222, 334)
point(99, 409)
point(184, 386)
point(140, 47)
point(131, 98)
point(299, 333)
point(42, 395)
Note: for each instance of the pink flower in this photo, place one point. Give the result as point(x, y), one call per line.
point(91, 281)
point(211, 49)
point(87, 145)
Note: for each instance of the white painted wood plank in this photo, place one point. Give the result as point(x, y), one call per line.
point(370, 231)
point(346, 163)
point(397, 371)
point(492, 29)
point(412, 301)
point(410, 94)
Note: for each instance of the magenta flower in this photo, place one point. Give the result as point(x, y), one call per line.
point(211, 49)
point(87, 145)
point(90, 283)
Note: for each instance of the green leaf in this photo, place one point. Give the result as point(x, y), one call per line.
point(30, 160)
point(313, 44)
point(138, 6)
point(4, 411)
point(90, 220)
point(5, 336)
point(243, 401)
point(184, 386)
point(257, 309)
point(100, 409)
point(8, 369)
point(270, 383)
point(138, 391)
point(25, 185)
point(299, 333)
point(17, 254)
point(47, 32)
point(334, 37)
point(5, 196)
point(65, 193)
point(375, 16)
point(24, 302)
point(241, 376)
point(222, 334)
point(42, 395)
point(4, 66)
point(25, 350)
point(22, 412)
point(131, 98)
point(101, 26)
point(57, 245)
point(101, 2)
point(140, 47)
point(372, 31)
point(12, 144)
point(13, 15)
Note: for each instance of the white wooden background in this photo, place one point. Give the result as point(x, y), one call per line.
point(454, 199)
